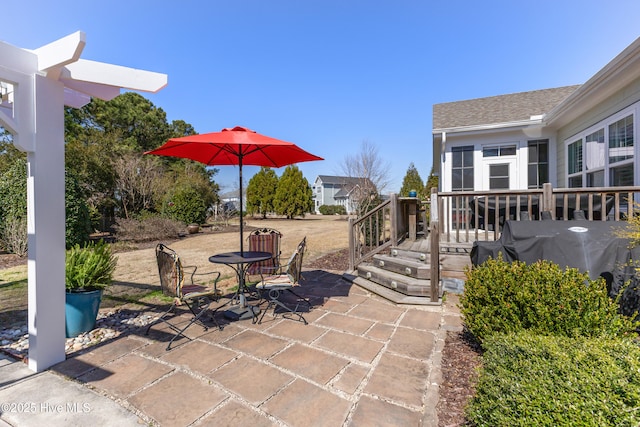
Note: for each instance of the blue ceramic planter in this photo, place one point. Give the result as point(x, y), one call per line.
point(81, 311)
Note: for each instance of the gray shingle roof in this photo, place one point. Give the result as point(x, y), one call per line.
point(341, 180)
point(498, 109)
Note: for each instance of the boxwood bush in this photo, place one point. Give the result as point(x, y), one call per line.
point(186, 204)
point(535, 380)
point(332, 210)
point(509, 297)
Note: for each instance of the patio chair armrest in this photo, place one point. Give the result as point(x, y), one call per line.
point(193, 273)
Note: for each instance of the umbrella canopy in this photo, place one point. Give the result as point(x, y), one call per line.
point(235, 146)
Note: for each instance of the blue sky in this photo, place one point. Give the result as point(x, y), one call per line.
point(330, 74)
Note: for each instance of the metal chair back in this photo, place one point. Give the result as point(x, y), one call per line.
point(170, 271)
point(265, 240)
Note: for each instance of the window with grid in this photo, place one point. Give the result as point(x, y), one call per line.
point(621, 140)
point(462, 168)
point(538, 163)
point(499, 177)
point(594, 158)
point(604, 154)
point(574, 155)
point(499, 151)
point(461, 180)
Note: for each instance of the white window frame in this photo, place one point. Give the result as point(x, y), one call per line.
point(608, 167)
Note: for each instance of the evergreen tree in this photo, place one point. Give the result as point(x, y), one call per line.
point(412, 181)
point(8, 152)
point(261, 192)
point(294, 196)
point(13, 208)
point(104, 145)
point(432, 182)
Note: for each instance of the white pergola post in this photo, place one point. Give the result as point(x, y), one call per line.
point(46, 227)
point(41, 82)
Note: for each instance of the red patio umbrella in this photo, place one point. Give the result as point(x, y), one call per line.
point(235, 146)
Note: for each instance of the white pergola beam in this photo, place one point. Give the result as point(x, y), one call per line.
point(114, 75)
point(95, 90)
point(53, 56)
point(75, 99)
point(14, 59)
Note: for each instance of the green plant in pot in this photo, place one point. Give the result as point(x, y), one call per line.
point(88, 271)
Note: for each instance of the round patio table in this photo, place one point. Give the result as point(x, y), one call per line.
point(240, 262)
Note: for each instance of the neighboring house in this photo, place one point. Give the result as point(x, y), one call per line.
point(339, 190)
point(573, 136)
point(230, 201)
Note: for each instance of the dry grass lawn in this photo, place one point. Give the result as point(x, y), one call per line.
point(138, 269)
point(136, 278)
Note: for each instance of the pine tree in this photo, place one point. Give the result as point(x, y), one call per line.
point(294, 196)
point(261, 192)
point(412, 181)
point(432, 182)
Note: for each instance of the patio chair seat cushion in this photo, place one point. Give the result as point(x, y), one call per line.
point(277, 281)
point(195, 291)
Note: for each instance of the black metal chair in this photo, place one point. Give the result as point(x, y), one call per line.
point(285, 278)
point(197, 298)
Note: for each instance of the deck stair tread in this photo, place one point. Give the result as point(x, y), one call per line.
point(398, 282)
point(391, 295)
point(408, 267)
point(400, 253)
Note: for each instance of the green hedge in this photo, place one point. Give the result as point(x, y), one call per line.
point(187, 205)
point(332, 210)
point(502, 297)
point(534, 380)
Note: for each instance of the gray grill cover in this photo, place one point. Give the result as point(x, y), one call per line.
point(590, 246)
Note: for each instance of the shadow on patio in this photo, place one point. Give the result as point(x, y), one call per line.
point(360, 361)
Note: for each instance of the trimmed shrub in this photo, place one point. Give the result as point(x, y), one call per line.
point(510, 297)
point(186, 204)
point(77, 217)
point(529, 380)
point(332, 210)
point(13, 210)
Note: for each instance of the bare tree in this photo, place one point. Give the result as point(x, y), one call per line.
point(370, 173)
point(368, 165)
point(137, 180)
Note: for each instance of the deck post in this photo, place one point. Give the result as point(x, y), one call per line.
point(394, 219)
point(352, 246)
point(547, 199)
point(434, 257)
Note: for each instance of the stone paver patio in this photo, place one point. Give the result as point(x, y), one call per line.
point(361, 361)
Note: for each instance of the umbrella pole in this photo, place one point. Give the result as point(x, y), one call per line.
point(241, 220)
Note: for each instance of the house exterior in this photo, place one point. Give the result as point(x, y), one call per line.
point(231, 201)
point(339, 190)
point(573, 136)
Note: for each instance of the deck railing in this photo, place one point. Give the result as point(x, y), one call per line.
point(372, 232)
point(460, 218)
point(467, 216)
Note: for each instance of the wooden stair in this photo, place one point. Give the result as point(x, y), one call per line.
point(401, 275)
